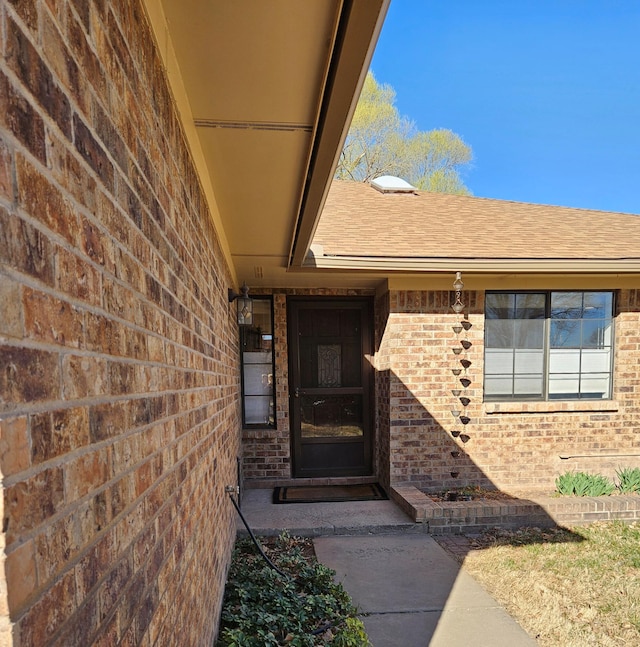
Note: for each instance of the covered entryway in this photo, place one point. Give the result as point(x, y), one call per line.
point(330, 386)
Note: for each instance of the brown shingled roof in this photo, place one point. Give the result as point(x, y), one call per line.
point(359, 221)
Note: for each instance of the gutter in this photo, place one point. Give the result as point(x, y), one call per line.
point(476, 265)
point(357, 30)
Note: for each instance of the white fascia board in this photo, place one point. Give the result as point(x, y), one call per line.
point(480, 265)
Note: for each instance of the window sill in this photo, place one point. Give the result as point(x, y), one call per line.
point(562, 406)
point(260, 432)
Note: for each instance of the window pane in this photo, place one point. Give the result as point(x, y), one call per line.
point(530, 306)
point(595, 386)
point(528, 361)
point(331, 416)
point(499, 334)
point(258, 379)
point(258, 410)
point(262, 319)
point(257, 366)
point(598, 305)
point(529, 386)
point(498, 386)
point(566, 305)
point(529, 334)
point(564, 386)
point(596, 361)
point(499, 306)
point(596, 333)
point(497, 362)
point(564, 361)
point(565, 333)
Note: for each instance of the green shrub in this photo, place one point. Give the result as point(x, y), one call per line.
point(584, 484)
point(353, 635)
point(628, 479)
point(263, 609)
point(600, 486)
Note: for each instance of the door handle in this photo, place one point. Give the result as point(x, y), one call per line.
point(296, 393)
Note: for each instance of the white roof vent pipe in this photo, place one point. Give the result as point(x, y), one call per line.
point(391, 184)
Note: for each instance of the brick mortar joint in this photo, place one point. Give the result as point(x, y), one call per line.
point(93, 448)
point(26, 280)
point(88, 214)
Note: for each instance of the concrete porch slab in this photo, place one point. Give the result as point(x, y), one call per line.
point(318, 519)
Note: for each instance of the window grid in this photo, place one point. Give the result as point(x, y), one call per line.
point(257, 367)
point(589, 359)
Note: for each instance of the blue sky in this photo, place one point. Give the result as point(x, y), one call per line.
point(547, 93)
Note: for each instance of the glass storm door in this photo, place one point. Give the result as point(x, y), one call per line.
point(330, 381)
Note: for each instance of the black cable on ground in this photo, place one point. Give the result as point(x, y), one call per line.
point(315, 632)
point(256, 542)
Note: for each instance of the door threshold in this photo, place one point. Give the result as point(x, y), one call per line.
point(257, 484)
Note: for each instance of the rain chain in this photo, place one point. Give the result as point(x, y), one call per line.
point(460, 370)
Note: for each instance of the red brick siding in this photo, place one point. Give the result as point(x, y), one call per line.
point(382, 393)
point(511, 449)
point(119, 382)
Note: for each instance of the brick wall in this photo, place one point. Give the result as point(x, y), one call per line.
point(417, 341)
point(119, 362)
point(382, 358)
point(516, 447)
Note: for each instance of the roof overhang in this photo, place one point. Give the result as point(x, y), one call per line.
point(265, 92)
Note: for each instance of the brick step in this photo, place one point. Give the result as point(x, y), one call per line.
point(457, 517)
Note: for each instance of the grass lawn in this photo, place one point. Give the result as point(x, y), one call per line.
point(567, 588)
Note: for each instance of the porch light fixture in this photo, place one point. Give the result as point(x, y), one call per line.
point(244, 305)
point(458, 306)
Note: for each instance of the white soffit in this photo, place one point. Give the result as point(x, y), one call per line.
point(266, 90)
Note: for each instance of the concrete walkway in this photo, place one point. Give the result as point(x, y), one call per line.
point(412, 593)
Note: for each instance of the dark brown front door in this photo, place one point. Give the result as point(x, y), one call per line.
point(330, 380)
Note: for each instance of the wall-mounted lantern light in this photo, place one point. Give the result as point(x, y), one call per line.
point(244, 305)
point(458, 306)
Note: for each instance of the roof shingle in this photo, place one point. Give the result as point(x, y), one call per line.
point(359, 221)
